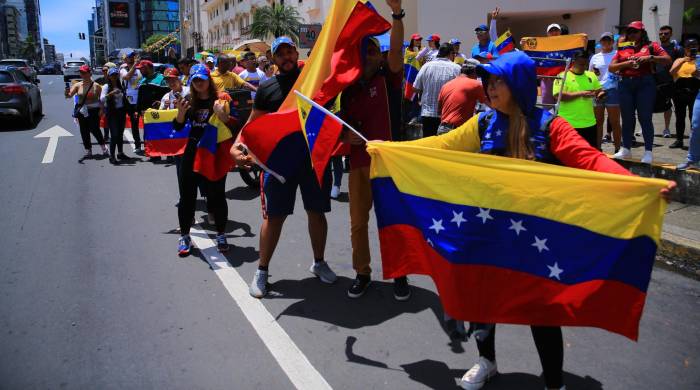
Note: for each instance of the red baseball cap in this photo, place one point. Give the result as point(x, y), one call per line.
point(636, 25)
point(85, 69)
point(171, 73)
point(143, 63)
point(434, 37)
point(416, 36)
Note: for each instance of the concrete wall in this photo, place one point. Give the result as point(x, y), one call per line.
point(669, 12)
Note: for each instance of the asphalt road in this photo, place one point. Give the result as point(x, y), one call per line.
point(93, 295)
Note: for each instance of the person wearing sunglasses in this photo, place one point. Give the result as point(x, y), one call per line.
point(664, 82)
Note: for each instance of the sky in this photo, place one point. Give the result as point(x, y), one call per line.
point(61, 25)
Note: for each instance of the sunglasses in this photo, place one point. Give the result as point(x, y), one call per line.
point(480, 31)
point(664, 33)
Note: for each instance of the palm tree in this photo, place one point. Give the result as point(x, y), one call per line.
point(275, 20)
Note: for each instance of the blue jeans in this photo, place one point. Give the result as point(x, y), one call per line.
point(637, 96)
point(694, 147)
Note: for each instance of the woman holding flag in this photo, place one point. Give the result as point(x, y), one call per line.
point(205, 160)
point(516, 128)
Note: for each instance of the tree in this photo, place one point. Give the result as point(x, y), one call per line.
point(29, 49)
point(275, 21)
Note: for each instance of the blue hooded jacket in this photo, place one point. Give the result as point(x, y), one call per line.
point(518, 72)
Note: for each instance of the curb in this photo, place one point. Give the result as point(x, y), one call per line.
point(688, 190)
point(680, 255)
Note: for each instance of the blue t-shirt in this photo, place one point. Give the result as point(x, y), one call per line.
point(489, 48)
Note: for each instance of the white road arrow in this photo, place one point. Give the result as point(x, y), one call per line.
point(52, 134)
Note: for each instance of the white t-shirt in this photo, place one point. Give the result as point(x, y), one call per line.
point(428, 53)
point(254, 78)
point(601, 61)
point(118, 101)
point(131, 86)
point(168, 100)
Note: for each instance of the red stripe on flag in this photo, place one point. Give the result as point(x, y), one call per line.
point(549, 71)
point(165, 147)
point(324, 146)
point(495, 295)
point(214, 166)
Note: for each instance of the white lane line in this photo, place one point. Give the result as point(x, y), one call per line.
point(130, 137)
point(291, 359)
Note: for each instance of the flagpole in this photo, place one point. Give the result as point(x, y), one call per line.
point(332, 115)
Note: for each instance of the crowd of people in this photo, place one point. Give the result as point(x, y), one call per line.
point(483, 103)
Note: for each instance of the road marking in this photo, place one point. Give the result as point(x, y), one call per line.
point(130, 137)
point(291, 359)
point(53, 134)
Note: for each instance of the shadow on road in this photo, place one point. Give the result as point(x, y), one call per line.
point(243, 193)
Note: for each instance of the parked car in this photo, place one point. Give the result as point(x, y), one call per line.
point(71, 70)
point(19, 96)
point(50, 69)
point(22, 65)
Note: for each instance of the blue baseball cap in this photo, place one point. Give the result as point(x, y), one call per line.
point(281, 41)
point(112, 71)
point(455, 41)
point(199, 71)
point(481, 27)
point(130, 53)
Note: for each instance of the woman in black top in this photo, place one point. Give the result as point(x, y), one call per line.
point(203, 102)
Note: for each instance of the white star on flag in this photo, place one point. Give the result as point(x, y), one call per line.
point(517, 226)
point(555, 271)
point(430, 242)
point(488, 136)
point(484, 214)
point(540, 244)
point(437, 226)
point(498, 133)
point(458, 218)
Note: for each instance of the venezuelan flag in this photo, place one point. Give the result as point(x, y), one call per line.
point(411, 66)
point(515, 241)
point(275, 139)
point(504, 43)
point(160, 137)
point(558, 48)
point(322, 131)
point(212, 158)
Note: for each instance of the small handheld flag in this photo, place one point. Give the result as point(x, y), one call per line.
point(504, 43)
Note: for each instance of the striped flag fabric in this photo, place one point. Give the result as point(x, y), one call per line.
point(213, 158)
point(516, 241)
point(321, 130)
point(504, 43)
point(411, 66)
point(555, 48)
point(159, 136)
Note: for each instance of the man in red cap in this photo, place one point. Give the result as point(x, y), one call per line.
point(150, 76)
point(430, 52)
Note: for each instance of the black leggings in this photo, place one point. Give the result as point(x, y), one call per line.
point(189, 182)
point(683, 102)
point(88, 125)
point(134, 118)
point(116, 119)
point(550, 346)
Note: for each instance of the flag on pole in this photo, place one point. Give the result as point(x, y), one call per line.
point(275, 140)
point(558, 48)
point(504, 43)
point(516, 241)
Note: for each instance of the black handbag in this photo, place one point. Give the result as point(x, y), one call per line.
point(76, 109)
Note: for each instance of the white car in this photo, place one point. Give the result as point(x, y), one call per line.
point(71, 69)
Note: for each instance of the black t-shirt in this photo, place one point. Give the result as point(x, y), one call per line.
point(272, 92)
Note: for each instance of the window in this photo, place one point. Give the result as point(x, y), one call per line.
point(6, 77)
point(226, 6)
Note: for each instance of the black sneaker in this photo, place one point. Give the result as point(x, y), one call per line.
point(402, 291)
point(676, 144)
point(359, 286)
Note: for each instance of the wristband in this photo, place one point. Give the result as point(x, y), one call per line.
point(399, 16)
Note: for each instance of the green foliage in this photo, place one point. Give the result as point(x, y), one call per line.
point(275, 21)
point(689, 15)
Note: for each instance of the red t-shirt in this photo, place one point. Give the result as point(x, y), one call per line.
point(458, 98)
point(365, 106)
point(626, 52)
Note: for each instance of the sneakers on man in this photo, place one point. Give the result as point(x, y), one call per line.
point(676, 144)
point(667, 133)
point(637, 133)
point(221, 243)
point(359, 286)
point(607, 139)
point(478, 375)
point(688, 165)
point(258, 287)
point(402, 291)
point(648, 157)
point(623, 153)
point(323, 272)
point(184, 246)
point(335, 192)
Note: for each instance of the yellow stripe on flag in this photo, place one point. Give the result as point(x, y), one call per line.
point(158, 116)
point(561, 42)
point(614, 205)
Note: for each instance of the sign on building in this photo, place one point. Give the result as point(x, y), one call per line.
point(308, 34)
point(119, 14)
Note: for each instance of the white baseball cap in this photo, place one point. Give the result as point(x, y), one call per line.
point(553, 25)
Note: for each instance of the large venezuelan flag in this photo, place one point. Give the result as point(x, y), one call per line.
point(160, 137)
point(274, 139)
point(321, 131)
point(411, 66)
point(519, 242)
point(505, 43)
point(559, 48)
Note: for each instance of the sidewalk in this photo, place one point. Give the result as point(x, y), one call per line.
point(680, 239)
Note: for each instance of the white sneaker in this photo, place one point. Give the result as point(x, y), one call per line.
point(323, 272)
point(258, 287)
point(648, 157)
point(335, 192)
point(478, 375)
point(623, 153)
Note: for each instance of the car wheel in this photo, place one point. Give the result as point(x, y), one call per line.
point(29, 120)
point(40, 109)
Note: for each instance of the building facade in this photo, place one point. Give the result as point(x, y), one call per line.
point(11, 45)
point(49, 53)
point(194, 23)
point(21, 24)
point(120, 25)
point(157, 17)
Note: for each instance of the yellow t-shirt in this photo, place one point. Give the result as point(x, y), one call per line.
point(228, 80)
point(685, 71)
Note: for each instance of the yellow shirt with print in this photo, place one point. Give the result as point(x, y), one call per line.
point(228, 80)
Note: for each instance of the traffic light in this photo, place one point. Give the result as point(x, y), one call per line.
point(81, 36)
